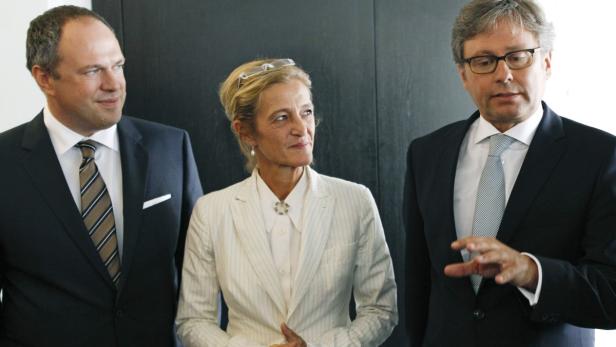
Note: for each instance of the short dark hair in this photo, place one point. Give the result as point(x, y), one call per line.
point(45, 32)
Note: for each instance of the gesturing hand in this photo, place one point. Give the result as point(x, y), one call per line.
point(293, 340)
point(494, 259)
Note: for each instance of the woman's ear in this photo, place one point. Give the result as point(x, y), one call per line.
point(244, 133)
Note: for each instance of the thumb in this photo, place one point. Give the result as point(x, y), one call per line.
point(287, 332)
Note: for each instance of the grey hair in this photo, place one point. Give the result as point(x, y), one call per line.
point(480, 16)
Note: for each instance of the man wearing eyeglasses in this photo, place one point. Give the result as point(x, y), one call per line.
point(511, 214)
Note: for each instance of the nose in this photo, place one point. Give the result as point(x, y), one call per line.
point(503, 72)
point(112, 79)
point(298, 124)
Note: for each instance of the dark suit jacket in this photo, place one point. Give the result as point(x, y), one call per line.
point(562, 209)
point(56, 291)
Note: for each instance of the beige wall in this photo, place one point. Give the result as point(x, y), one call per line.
point(20, 98)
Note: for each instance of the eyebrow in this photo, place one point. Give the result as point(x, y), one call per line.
point(90, 67)
point(98, 66)
point(507, 50)
point(286, 109)
point(273, 113)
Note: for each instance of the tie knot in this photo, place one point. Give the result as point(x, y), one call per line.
point(87, 148)
point(499, 143)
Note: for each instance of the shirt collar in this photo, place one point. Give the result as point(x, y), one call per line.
point(295, 199)
point(63, 138)
point(523, 132)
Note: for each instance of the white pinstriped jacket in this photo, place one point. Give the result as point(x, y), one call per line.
point(344, 252)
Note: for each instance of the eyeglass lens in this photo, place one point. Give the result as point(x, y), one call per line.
point(514, 60)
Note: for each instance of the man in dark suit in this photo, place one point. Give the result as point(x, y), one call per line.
point(511, 214)
point(94, 206)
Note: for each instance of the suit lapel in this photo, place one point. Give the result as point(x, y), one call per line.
point(250, 228)
point(317, 219)
point(134, 158)
point(544, 153)
point(43, 166)
point(445, 186)
point(444, 192)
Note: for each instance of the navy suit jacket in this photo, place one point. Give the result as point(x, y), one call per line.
point(562, 209)
point(56, 290)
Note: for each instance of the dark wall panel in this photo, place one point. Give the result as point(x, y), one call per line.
point(418, 91)
point(382, 75)
point(112, 11)
point(179, 52)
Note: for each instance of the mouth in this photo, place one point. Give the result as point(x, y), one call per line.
point(109, 102)
point(505, 95)
point(301, 145)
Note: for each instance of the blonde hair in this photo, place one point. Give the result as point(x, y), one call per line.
point(240, 97)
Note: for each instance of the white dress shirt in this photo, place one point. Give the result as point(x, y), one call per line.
point(107, 158)
point(284, 231)
point(471, 160)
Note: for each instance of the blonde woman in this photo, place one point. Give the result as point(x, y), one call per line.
point(287, 247)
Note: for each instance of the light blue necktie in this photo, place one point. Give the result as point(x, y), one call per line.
point(490, 203)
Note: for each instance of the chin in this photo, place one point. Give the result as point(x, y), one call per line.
point(111, 119)
point(504, 115)
point(302, 163)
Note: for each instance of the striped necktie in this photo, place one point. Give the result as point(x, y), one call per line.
point(97, 212)
point(490, 204)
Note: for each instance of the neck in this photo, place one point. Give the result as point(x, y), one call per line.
point(281, 180)
point(503, 127)
point(67, 121)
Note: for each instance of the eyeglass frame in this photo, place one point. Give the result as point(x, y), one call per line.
point(503, 58)
point(263, 68)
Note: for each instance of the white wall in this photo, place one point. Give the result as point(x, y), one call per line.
point(20, 98)
point(582, 82)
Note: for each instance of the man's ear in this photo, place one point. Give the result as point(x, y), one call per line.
point(244, 133)
point(462, 74)
point(44, 79)
point(547, 60)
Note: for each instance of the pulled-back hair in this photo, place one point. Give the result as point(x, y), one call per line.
point(240, 97)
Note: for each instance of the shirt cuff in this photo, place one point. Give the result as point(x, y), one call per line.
point(533, 298)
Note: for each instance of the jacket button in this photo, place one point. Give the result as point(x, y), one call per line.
point(478, 314)
point(119, 313)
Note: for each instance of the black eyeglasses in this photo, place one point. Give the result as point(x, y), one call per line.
point(515, 60)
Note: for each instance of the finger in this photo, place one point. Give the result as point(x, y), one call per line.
point(507, 274)
point(521, 271)
point(461, 243)
point(486, 244)
point(470, 243)
point(489, 270)
point(499, 256)
point(289, 334)
point(462, 269)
